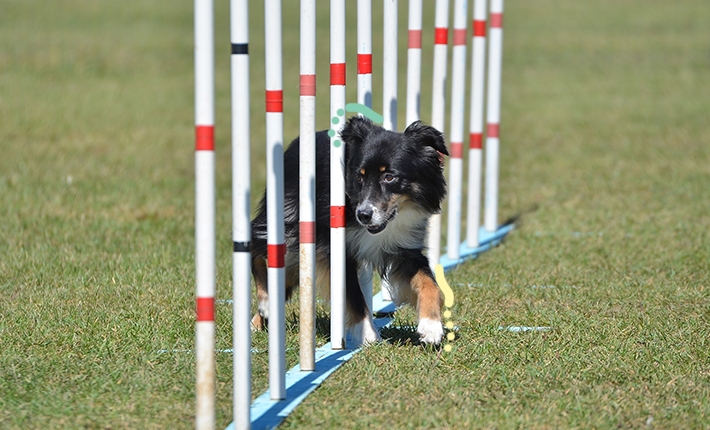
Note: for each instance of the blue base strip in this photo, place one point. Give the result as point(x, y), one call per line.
point(486, 240)
point(382, 306)
point(268, 414)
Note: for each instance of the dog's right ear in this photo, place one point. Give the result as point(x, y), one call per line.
point(427, 135)
point(356, 130)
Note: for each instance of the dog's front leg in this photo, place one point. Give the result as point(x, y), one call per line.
point(415, 285)
point(428, 306)
point(359, 316)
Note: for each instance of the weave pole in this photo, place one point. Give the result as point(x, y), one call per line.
point(275, 200)
point(389, 91)
point(337, 176)
point(478, 60)
point(389, 65)
point(438, 109)
point(364, 96)
point(291, 387)
point(241, 212)
point(495, 56)
point(364, 52)
point(204, 215)
point(414, 61)
point(458, 88)
point(307, 187)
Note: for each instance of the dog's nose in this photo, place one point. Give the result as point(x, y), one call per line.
point(364, 216)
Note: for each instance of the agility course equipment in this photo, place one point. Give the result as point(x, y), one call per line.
point(438, 108)
point(287, 389)
point(337, 177)
point(241, 211)
point(479, 238)
point(204, 214)
point(478, 59)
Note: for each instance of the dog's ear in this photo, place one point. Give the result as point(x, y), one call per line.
point(356, 130)
point(427, 135)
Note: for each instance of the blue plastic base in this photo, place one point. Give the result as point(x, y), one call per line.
point(267, 413)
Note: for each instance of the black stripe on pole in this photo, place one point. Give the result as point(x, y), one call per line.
point(242, 246)
point(240, 48)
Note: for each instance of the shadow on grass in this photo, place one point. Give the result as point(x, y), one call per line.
point(407, 335)
point(517, 219)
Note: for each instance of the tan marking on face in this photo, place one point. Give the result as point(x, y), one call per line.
point(362, 172)
point(382, 168)
point(395, 200)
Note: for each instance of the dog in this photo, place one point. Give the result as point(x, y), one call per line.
point(393, 183)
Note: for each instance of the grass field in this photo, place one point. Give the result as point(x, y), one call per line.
point(605, 160)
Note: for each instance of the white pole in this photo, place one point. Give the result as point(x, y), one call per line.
point(275, 200)
point(493, 114)
point(241, 213)
point(389, 85)
point(307, 187)
point(364, 52)
point(458, 88)
point(414, 61)
point(389, 66)
point(337, 176)
point(438, 109)
point(364, 97)
point(478, 61)
point(204, 214)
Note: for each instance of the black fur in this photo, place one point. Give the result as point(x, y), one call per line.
point(387, 175)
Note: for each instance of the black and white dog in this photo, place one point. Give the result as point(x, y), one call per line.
point(393, 183)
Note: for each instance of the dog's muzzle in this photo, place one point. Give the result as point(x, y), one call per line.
point(373, 219)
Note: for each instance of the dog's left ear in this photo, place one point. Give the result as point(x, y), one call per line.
point(356, 130)
point(427, 135)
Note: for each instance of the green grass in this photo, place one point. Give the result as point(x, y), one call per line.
point(605, 158)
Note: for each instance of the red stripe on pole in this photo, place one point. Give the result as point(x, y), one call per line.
point(456, 150)
point(337, 216)
point(496, 20)
point(441, 36)
point(205, 309)
point(459, 36)
point(204, 138)
point(476, 141)
point(337, 74)
point(308, 85)
point(364, 64)
point(274, 101)
point(275, 255)
point(493, 130)
point(307, 232)
point(479, 28)
point(415, 39)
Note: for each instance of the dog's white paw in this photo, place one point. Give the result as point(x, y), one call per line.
point(430, 331)
point(365, 332)
point(264, 309)
point(257, 323)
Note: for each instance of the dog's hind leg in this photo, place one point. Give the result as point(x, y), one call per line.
point(358, 318)
point(258, 270)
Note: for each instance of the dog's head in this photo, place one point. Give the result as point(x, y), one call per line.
point(386, 171)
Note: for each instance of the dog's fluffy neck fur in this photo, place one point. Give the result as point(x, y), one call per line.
point(406, 231)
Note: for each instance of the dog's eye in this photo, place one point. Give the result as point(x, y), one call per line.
point(358, 177)
point(389, 177)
